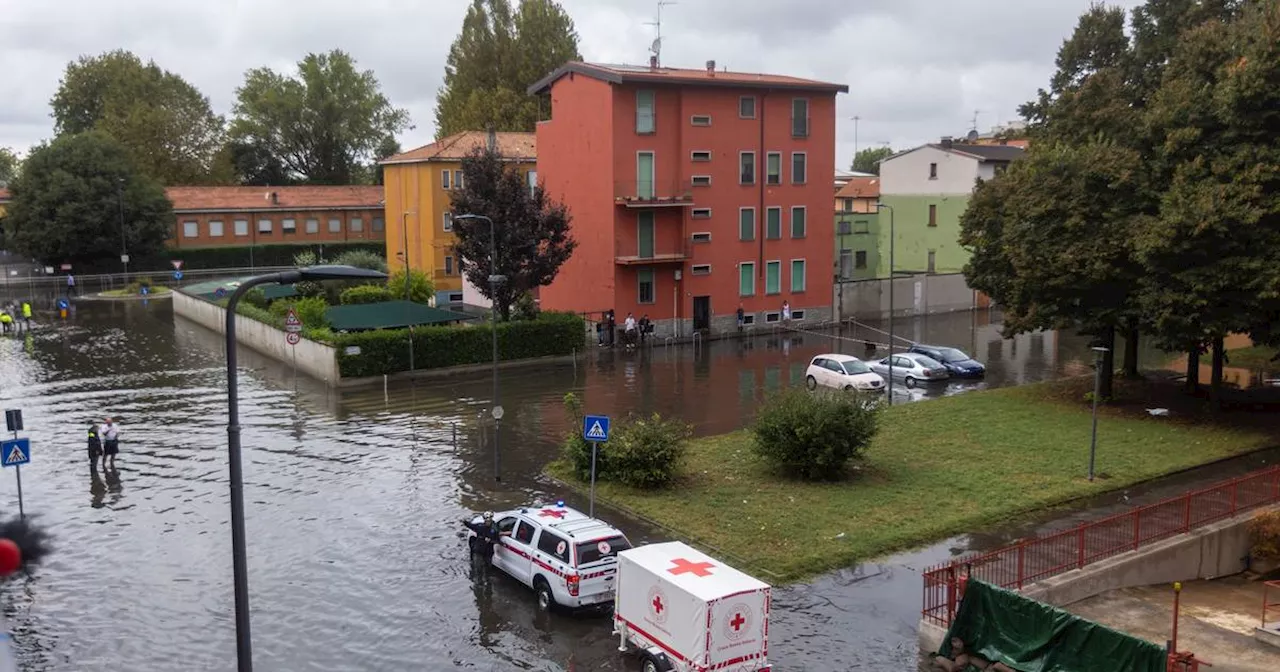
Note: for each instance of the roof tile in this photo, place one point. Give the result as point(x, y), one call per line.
point(259, 198)
point(456, 147)
point(644, 73)
point(860, 187)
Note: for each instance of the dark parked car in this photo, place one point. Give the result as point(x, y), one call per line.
point(958, 364)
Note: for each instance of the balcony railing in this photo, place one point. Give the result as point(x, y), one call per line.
point(629, 253)
point(653, 193)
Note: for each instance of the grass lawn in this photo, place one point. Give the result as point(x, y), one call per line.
point(155, 291)
point(937, 468)
point(1256, 357)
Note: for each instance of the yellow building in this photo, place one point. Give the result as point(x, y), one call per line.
point(418, 187)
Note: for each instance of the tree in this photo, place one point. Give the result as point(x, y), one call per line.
point(67, 203)
point(495, 58)
point(532, 230)
point(323, 126)
point(254, 165)
point(868, 160)
point(165, 123)
point(9, 165)
point(389, 147)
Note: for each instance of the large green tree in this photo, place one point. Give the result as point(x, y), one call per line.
point(323, 126)
point(9, 165)
point(67, 203)
point(868, 160)
point(165, 123)
point(498, 54)
point(532, 230)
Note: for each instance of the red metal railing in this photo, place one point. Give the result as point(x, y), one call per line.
point(1267, 605)
point(1037, 559)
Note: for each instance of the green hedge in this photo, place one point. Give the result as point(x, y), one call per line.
point(387, 351)
point(237, 256)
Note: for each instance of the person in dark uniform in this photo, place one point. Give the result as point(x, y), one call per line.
point(487, 534)
point(95, 445)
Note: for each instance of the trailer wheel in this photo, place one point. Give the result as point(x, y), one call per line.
point(655, 663)
point(546, 601)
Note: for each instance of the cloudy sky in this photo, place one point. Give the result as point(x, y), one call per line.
point(916, 69)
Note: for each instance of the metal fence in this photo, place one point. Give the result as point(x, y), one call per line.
point(1037, 559)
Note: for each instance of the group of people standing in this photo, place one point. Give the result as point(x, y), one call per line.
point(633, 331)
point(104, 442)
point(15, 316)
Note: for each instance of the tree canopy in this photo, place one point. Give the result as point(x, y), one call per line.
point(495, 58)
point(9, 165)
point(325, 125)
point(68, 203)
point(868, 160)
point(532, 230)
point(165, 123)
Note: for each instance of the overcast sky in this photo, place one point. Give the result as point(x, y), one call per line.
point(916, 69)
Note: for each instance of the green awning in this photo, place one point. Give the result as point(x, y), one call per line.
point(389, 315)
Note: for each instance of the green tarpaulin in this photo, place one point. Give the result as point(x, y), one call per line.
point(1004, 626)
point(389, 315)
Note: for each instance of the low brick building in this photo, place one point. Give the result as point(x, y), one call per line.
point(225, 216)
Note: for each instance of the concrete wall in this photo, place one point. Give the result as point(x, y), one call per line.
point(315, 359)
point(913, 295)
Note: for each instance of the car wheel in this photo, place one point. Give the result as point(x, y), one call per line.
point(546, 601)
point(811, 383)
point(848, 388)
point(911, 382)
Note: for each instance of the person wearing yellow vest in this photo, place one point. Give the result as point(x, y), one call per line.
point(6, 322)
point(26, 314)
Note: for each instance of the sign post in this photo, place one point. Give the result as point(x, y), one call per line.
point(595, 428)
point(293, 329)
point(15, 452)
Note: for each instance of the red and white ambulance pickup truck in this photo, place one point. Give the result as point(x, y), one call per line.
point(687, 612)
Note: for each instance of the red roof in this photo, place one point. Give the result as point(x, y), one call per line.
point(860, 187)
point(5, 195)
point(286, 198)
point(703, 77)
point(511, 145)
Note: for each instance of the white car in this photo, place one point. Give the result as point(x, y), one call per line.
point(843, 373)
point(912, 368)
point(569, 559)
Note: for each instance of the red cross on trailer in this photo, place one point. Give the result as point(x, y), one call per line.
point(738, 621)
point(551, 513)
point(657, 604)
point(683, 566)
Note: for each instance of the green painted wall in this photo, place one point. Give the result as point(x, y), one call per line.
point(915, 238)
point(864, 236)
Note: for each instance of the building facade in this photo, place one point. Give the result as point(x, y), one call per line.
point(692, 192)
point(927, 189)
point(858, 229)
point(251, 216)
point(419, 184)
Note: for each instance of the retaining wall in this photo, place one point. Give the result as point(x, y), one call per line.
point(914, 295)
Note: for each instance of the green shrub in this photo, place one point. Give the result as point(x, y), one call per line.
point(525, 308)
point(255, 313)
point(421, 289)
point(279, 307)
point(136, 286)
point(576, 449)
point(815, 435)
point(646, 452)
point(256, 297)
point(311, 311)
point(369, 259)
point(361, 294)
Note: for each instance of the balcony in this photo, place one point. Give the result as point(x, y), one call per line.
point(653, 194)
point(630, 253)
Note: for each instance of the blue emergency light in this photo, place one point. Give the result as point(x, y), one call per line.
point(560, 503)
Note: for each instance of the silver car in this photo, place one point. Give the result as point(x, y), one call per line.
point(912, 368)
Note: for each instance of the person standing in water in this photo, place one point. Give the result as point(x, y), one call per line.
point(111, 442)
point(95, 445)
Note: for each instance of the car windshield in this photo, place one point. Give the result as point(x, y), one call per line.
point(855, 367)
point(594, 551)
point(927, 362)
point(952, 355)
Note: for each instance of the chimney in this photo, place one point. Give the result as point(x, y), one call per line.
point(275, 198)
point(653, 62)
point(946, 142)
point(493, 139)
point(711, 68)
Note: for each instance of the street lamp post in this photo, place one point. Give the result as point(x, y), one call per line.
point(1097, 392)
point(882, 206)
point(124, 246)
point(494, 281)
point(240, 567)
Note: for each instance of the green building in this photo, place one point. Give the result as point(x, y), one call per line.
point(858, 230)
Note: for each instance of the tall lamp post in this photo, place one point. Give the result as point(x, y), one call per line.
point(124, 246)
point(882, 206)
point(244, 649)
point(1097, 392)
point(494, 281)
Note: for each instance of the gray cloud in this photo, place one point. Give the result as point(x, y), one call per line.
point(916, 69)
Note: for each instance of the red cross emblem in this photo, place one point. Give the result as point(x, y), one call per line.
point(551, 513)
point(657, 604)
point(737, 621)
point(683, 566)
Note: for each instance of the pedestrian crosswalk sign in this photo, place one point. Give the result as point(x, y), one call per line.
point(15, 452)
point(595, 428)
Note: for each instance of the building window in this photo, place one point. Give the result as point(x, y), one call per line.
point(701, 213)
point(531, 180)
point(933, 215)
point(843, 228)
point(448, 265)
point(746, 224)
point(700, 155)
point(746, 167)
point(747, 107)
point(799, 221)
point(932, 260)
point(644, 234)
point(444, 179)
point(289, 226)
point(700, 269)
point(457, 179)
point(644, 112)
point(448, 221)
point(933, 171)
point(773, 223)
point(701, 180)
point(773, 168)
point(644, 175)
point(702, 237)
point(242, 227)
point(772, 317)
point(644, 293)
point(800, 118)
point(773, 277)
point(846, 204)
point(747, 279)
point(748, 318)
point(215, 229)
point(799, 167)
point(861, 226)
point(860, 259)
point(313, 226)
point(797, 275)
point(378, 224)
point(700, 120)
point(357, 224)
point(797, 315)
point(846, 264)
point(190, 229)
point(264, 226)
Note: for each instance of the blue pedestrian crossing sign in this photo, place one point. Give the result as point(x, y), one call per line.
point(595, 428)
point(15, 451)
point(177, 275)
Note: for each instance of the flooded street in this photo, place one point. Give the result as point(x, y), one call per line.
point(353, 500)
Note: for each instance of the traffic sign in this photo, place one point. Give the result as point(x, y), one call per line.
point(291, 322)
point(144, 290)
point(15, 452)
point(124, 258)
point(13, 419)
point(63, 305)
point(177, 264)
point(177, 275)
point(595, 428)
point(219, 292)
point(498, 412)
point(292, 338)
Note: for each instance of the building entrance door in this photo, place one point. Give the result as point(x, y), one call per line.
point(701, 313)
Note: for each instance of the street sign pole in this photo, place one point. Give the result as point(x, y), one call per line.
point(591, 511)
point(595, 428)
point(15, 453)
point(293, 329)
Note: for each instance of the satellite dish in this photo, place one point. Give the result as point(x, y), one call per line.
point(973, 135)
point(656, 47)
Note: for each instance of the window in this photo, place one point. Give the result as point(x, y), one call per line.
point(773, 223)
point(933, 171)
point(531, 179)
point(747, 279)
point(242, 227)
point(797, 315)
point(701, 180)
point(846, 205)
point(861, 226)
point(644, 112)
point(215, 229)
point(746, 167)
point(190, 229)
point(700, 269)
point(799, 167)
point(313, 226)
point(772, 317)
point(457, 179)
point(378, 224)
point(444, 179)
point(701, 213)
point(800, 118)
point(702, 237)
point(264, 226)
point(453, 297)
point(335, 226)
point(860, 259)
point(773, 168)
point(644, 234)
point(507, 525)
point(644, 175)
point(747, 107)
point(553, 545)
point(772, 277)
point(932, 259)
point(448, 265)
point(524, 533)
point(746, 224)
point(748, 318)
point(289, 225)
point(843, 228)
point(700, 120)
point(700, 155)
point(933, 215)
point(846, 263)
point(799, 221)
point(357, 224)
point(448, 221)
point(644, 280)
point(589, 552)
point(797, 276)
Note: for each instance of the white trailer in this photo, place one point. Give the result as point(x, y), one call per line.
point(687, 612)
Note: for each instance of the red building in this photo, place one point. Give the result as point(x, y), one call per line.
point(214, 216)
point(691, 192)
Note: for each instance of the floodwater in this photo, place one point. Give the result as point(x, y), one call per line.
point(353, 500)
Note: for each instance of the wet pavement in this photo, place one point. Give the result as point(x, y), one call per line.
point(353, 500)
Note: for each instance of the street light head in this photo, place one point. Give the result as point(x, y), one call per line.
point(335, 272)
point(468, 217)
point(1100, 350)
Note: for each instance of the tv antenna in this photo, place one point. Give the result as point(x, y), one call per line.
point(655, 49)
point(974, 125)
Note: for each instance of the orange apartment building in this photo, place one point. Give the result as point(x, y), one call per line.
point(214, 216)
point(692, 192)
